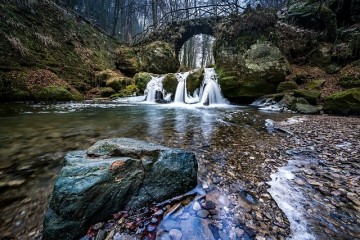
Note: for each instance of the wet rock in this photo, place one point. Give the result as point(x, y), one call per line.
point(209, 205)
point(196, 228)
point(202, 213)
point(113, 174)
point(168, 224)
point(175, 234)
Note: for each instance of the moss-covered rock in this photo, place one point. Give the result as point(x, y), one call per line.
point(350, 75)
point(39, 85)
point(106, 91)
point(315, 85)
point(170, 83)
point(130, 90)
point(113, 79)
point(156, 57)
point(344, 102)
point(255, 73)
point(286, 86)
point(119, 83)
point(312, 96)
point(194, 80)
point(141, 80)
point(305, 108)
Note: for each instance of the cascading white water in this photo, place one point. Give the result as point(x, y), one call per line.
point(181, 87)
point(208, 93)
point(211, 93)
point(153, 86)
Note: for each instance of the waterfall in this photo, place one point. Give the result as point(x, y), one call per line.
point(181, 87)
point(208, 93)
point(211, 93)
point(153, 87)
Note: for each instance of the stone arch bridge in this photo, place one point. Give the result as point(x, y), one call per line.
point(179, 26)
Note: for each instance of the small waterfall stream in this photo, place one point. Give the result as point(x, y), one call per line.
point(181, 87)
point(208, 93)
point(154, 88)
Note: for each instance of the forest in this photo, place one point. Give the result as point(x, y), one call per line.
point(179, 120)
point(125, 20)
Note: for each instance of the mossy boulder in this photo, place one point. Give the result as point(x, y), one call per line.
point(113, 79)
point(170, 83)
point(253, 74)
point(156, 57)
point(350, 75)
point(286, 86)
point(119, 83)
point(306, 108)
point(106, 91)
point(315, 85)
point(344, 102)
point(312, 96)
point(38, 85)
point(194, 80)
point(130, 90)
point(141, 80)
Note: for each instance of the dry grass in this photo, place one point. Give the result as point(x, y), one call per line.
point(17, 45)
point(48, 41)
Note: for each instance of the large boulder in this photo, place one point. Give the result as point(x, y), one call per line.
point(255, 73)
point(111, 175)
point(344, 102)
point(156, 57)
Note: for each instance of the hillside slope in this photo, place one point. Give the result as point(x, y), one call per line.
point(48, 53)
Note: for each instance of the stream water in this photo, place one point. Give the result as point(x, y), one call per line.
point(35, 137)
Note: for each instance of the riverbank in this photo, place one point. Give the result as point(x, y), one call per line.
point(237, 168)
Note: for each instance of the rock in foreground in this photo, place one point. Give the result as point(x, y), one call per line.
point(111, 175)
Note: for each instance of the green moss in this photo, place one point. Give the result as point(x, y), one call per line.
point(285, 86)
point(52, 40)
point(170, 83)
point(349, 81)
point(194, 80)
point(129, 91)
point(118, 83)
point(344, 102)
point(315, 85)
point(39, 84)
point(312, 96)
point(141, 80)
point(106, 91)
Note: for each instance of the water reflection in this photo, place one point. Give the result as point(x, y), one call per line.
point(34, 139)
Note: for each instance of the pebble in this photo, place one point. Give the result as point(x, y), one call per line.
point(196, 206)
point(175, 234)
point(202, 213)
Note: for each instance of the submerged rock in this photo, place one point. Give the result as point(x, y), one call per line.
point(111, 175)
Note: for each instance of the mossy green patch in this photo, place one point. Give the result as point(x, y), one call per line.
point(40, 85)
point(141, 80)
point(286, 86)
point(194, 80)
point(170, 83)
point(344, 102)
point(315, 85)
point(312, 96)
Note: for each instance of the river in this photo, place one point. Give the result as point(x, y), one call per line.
point(230, 142)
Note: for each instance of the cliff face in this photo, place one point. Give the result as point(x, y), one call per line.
point(45, 48)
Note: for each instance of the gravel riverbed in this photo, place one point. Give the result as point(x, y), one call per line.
point(299, 182)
